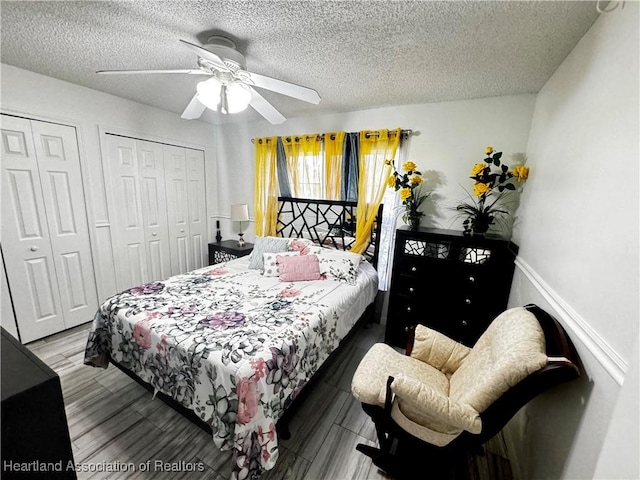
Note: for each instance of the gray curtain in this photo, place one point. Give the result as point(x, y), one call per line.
point(350, 154)
point(283, 174)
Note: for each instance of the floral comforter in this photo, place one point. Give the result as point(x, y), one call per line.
point(230, 344)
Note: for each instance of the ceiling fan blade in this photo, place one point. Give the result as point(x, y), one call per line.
point(207, 55)
point(190, 71)
point(264, 108)
point(194, 110)
point(285, 88)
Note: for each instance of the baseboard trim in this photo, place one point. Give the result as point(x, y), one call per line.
point(610, 360)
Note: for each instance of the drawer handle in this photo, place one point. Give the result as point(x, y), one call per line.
point(411, 289)
point(467, 301)
point(464, 323)
point(182, 230)
point(155, 234)
point(409, 309)
point(406, 329)
point(472, 279)
point(414, 269)
point(34, 249)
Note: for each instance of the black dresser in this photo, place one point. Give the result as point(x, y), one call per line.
point(453, 283)
point(35, 437)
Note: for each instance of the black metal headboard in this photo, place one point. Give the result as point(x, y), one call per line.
point(330, 223)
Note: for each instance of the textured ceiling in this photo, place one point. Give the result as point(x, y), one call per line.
point(356, 54)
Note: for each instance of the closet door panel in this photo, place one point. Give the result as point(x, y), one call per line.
point(197, 208)
point(25, 235)
point(175, 162)
point(128, 225)
point(154, 209)
point(59, 166)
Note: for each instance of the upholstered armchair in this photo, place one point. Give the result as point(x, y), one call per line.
point(443, 397)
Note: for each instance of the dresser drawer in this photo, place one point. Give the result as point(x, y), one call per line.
point(409, 286)
point(412, 266)
point(406, 307)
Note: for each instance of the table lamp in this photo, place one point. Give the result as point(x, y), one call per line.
point(240, 213)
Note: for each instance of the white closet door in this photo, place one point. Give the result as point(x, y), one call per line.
point(197, 208)
point(154, 209)
point(59, 166)
point(25, 235)
point(175, 163)
point(128, 226)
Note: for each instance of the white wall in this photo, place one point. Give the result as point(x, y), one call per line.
point(37, 96)
point(579, 246)
point(450, 138)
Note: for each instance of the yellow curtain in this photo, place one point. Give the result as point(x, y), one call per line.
point(303, 163)
point(375, 148)
point(266, 186)
point(333, 147)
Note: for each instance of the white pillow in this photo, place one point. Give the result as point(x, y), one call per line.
point(270, 265)
point(338, 265)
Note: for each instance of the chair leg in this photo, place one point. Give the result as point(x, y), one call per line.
point(381, 459)
point(384, 440)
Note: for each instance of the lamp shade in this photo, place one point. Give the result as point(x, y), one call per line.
point(209, 93)
point(239, 213)
point(238, 97)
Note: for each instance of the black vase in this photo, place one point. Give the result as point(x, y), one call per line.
point(218, 235)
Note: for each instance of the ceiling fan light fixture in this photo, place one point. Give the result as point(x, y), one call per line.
point(232, 97)
point(209, 92)
point(238, 97)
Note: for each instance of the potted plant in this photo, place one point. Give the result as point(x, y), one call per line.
point(409, 184)
point(493, 181)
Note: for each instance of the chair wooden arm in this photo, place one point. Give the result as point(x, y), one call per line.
point(410, 339)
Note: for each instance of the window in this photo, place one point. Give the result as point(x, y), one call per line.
point(310, 177)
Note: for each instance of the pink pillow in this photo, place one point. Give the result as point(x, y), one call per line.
point(300, 268)
point(299, 246)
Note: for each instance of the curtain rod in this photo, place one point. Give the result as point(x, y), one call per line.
point(404, 133)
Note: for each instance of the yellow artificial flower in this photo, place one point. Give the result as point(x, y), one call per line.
point(409, 167)
point(521, 172)
point(391, 181)
point(477, 169)
point(388, 162)
point(488, 150)
point(480, 188)
point(415, 180)
point(405, 193)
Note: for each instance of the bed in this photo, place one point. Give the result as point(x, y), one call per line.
point(233, 345)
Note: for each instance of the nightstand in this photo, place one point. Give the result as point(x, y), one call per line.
point(227, 250)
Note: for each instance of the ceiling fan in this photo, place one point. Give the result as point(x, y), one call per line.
point(230, 87)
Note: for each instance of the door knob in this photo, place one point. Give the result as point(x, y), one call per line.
point(34, 249)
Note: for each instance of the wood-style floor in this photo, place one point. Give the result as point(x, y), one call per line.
point(113, 419)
